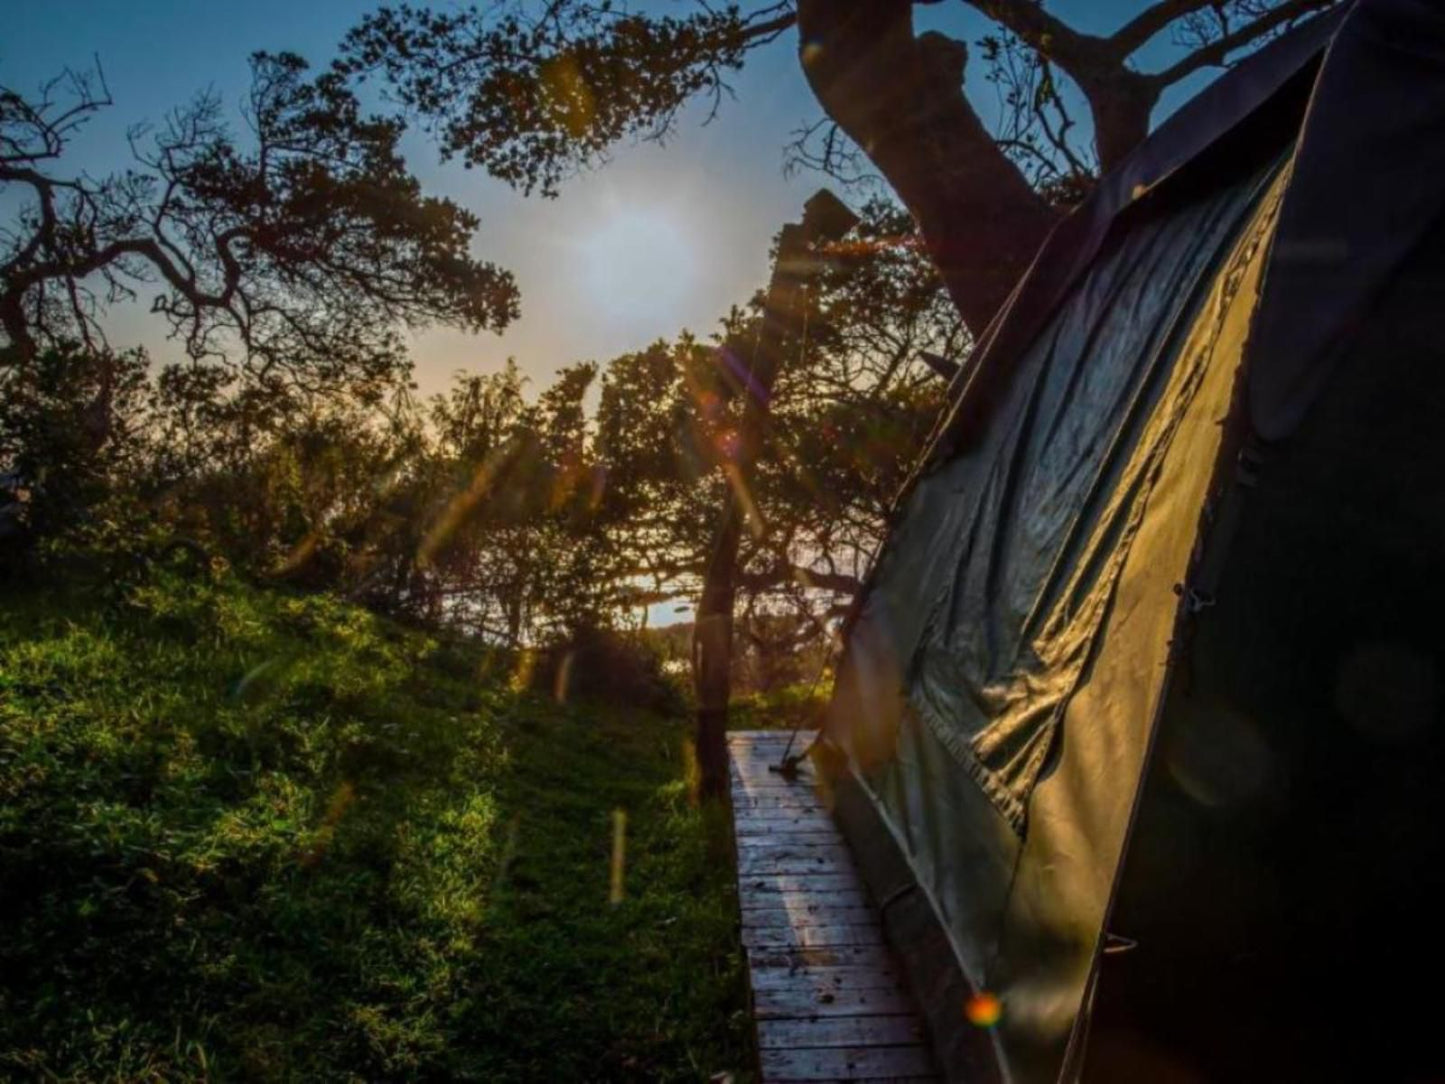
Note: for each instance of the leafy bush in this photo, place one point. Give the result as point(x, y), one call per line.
point(609, 667)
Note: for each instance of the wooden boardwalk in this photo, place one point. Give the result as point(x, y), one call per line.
point(827, 998)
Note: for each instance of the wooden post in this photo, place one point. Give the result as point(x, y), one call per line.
point(825, 218)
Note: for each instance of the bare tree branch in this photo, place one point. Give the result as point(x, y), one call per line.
point(1217, 52)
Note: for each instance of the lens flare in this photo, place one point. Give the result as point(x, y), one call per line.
point(983, 1010)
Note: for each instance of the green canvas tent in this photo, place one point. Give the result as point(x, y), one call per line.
point(1138, 726)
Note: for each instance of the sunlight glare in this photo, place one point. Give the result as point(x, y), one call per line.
point(639, 263)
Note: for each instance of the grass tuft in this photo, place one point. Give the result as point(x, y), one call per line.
point(247, 834)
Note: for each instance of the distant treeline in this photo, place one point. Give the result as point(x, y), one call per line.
point(519, 517)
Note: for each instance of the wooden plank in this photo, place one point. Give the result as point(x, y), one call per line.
point(768, 764)
point(814, 915)
point(752, 812)
point(756, 837)
point(762, 822)
point(800, 899)
point(812, 937)
point(828, 979)
point(800, 902)
point(793, 793)
point(801, 885)
point(846, 1063)
point(814, 843)
point(776, 787)
point(828, 1000)
point(747, 738)
point(826, 956)
point(774, 807)
point(788, 801)
point(839, 1031)
point(804, 885)
point(781, 1002)
point(758, 763)
point(804, 861)
point(760, 773)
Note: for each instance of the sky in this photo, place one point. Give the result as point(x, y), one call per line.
point(659, 239)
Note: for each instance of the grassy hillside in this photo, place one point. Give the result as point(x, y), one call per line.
point(245, 834)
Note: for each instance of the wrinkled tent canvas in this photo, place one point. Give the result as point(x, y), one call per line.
point(1138, 726)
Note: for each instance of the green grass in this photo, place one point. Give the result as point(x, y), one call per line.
point(781, 709)
point(252, 835)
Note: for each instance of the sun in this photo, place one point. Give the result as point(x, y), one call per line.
point(638, 264)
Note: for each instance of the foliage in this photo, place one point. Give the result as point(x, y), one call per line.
point(606, 666)
point(534, 95)
point(783, 708)
point(252, 834)
point(302, 252)
point(70, 434)
point(850, 410)
point(525, 519)
point(534, 92)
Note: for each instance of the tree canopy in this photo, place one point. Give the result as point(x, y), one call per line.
point(301, 250)
point(532, 92)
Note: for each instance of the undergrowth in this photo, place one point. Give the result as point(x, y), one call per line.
point(252, 835)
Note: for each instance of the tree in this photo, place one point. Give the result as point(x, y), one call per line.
point(63, 454)
point(534, 91)
point(772, 514)
point(824, 219)
point(300, 251)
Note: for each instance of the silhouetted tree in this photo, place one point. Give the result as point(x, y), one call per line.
point(534, 91)
point(302, 250)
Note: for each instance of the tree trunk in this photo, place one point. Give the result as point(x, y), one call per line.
point(900, 98)
point(1121, 102)
point(824, 218)
point(712, 647)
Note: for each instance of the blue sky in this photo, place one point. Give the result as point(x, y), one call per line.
point(692, 219)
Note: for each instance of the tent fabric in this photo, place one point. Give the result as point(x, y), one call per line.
point(1371, 160)
point(1289, 847)
point(1042, 515)
point(1233, 110)
point(1001, 589)
point(1029, 628)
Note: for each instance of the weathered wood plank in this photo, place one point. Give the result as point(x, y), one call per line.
point(768, 763)
point(766, 822)
point(764, 807)
point(823, 956)
point(839, 1031)
point(801, 902)
point(816, 846)
point(776, 802)
point(765, 763)
point(804, 861)
point(801, 884)
point(802, 801)
point(812, 936)
point(846, 1063)
point(780, 1002)
point(828, 999)
point(774, 786)
point(815, 843)
point(828, 979)
point(785, 917)
point(820, 836)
